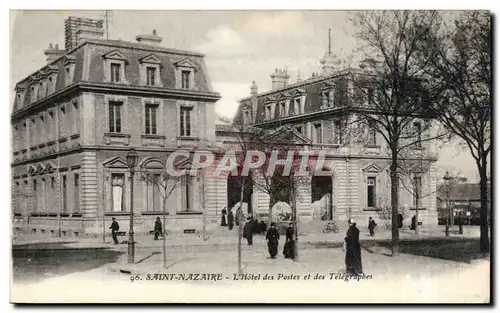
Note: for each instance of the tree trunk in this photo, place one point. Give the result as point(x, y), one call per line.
point(394, 202)
point(417, 196)
point(484, 212)
point(238, 216)
point(270, 213)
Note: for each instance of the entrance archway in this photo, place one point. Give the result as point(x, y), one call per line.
point(234, 191)
point(321, 197)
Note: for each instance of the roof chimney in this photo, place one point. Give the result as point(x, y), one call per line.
point(52, 53)
point(153, 39)
point(85, 33)
point(279, 79)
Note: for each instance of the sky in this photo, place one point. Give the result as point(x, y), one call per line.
point(239, 47)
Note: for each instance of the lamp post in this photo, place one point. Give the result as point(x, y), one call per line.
point(131, 163)
point(447, 179)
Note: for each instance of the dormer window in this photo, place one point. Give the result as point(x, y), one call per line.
point(185, 70)
point(34, 91)
point(268, 112)
point(114, 67)
point(327, 98)
point(150, 70)
point(41, 90)
point(20, 98)
point(186, 78)
point(115, 72)
point(150, 76)
point(369, 96)
point(247, 118)
point(282, 109)
point(69, 69)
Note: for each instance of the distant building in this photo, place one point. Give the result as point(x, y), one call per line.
point(463, 198)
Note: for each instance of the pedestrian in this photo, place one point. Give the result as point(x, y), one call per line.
point(230, 219)
point(413, 222)
point(158, 228)
point(353, 250)
point(238, 215)
point(223, 218)
point(115, 227)
point(248, 231)
point(289, 248)
point(272, 238)
point(371, 226)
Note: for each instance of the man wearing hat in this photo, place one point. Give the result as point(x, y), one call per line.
point(272, 238)
point(353, 250)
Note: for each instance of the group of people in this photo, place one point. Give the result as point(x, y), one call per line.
point(115, 227)
point(273, 236)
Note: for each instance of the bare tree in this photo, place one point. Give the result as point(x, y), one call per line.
point(390, 93)
point(460, 61)
point(165, 184)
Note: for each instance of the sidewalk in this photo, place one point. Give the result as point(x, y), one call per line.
point(144, 241)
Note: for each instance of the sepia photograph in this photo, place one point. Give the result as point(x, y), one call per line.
point(250, 156)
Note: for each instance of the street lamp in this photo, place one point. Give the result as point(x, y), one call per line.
point(447, 179)
point(131, 163)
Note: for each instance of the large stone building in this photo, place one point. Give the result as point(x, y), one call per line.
point(359, 185)
point(74, 120)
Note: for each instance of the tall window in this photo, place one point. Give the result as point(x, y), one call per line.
point(318, 133)
point(151, 119)
point(337, 132)
point(153, 195)
point(150, 76)
point(371, 192)
point(297, 106)
point(185, 121)
point(35, 191)
point(77, 180)
point(64, 195)
point(417, 190)
point(117, 182)
point(246, 117)
point(369, 95)
point(282, 109)
point(115, 120)
point(187, 192)
point(372, 133)
point(185, 76)
point(268, 112)
point(418, 132)
point(115, 72)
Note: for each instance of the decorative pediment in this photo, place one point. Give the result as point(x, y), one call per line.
point(283, 96)
point(186, 62)
point(51, 69)
point(372, 168)
point(49, 167)
point(68, 59)
point(20, 87)
point(418, 169)
point(150, 58)
point(114, 55)
point(31, 169)
point(269, 99)
point(40, 168)
point(327, 86)
point(298, 92)
point(115, 162)
point(152, 163)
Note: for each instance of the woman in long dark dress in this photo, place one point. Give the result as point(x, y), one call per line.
point(272, 238)
point(230, 220)
point(353, 250)
point(223, 218)
point(288, 249)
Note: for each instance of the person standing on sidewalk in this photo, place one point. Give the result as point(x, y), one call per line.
point(371, 226)
point(288, 249)
point(272, 238)
point(115, 227)
point(158, 228)
point(230, 220)
point(353, 250)
point(248, 231)
point(223, 218)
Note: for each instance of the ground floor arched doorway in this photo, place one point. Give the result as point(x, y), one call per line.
point(321, 197)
